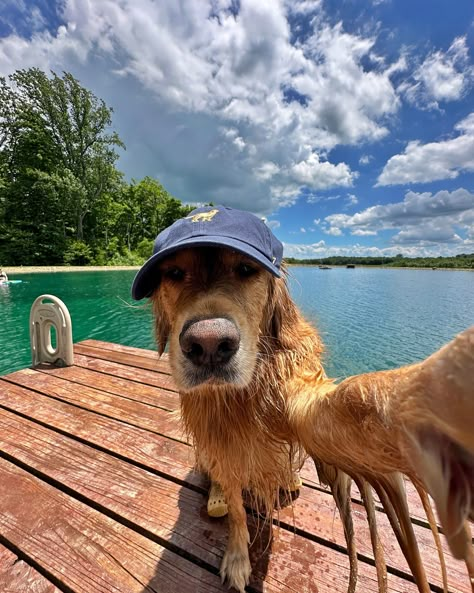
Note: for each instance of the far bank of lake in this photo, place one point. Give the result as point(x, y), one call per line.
point(14, 270)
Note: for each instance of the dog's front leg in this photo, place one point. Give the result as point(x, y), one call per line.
point(417, 420)
point(235, 567)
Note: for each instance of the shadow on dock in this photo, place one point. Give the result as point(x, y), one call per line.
point(203, 567)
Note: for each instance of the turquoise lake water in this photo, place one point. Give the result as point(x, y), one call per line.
point(369, 319)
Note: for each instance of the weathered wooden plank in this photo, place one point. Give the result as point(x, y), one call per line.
point(162, 423)
point(16, 576)
point(142, 447)
point(142, 376)
point(85, 550)
point(133, 493)
point(417, 512)
point(175, 513)
point(130, 350)
point(177, 466)
point(146, 394)
point(141, 497)
point(146, 449)
point(316, 515)
point(182, 469)
point(141, 362)
point(132, 412)
point(91, 399)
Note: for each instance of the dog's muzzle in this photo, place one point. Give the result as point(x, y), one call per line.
point(210, 343)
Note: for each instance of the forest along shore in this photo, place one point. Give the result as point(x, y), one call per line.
point(11, 270)
point(384, 267)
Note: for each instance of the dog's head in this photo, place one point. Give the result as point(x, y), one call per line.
point(213, 306)
point(213, 281)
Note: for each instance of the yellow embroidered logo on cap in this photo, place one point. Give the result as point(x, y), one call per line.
point(203, 216)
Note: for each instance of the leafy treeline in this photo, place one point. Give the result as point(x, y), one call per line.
point(462, 260)
point(62, 199)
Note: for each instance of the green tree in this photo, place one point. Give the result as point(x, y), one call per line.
point(62, 199)
point(32, 196)
point(55, 126)
point(78, 122)
point(146, 209)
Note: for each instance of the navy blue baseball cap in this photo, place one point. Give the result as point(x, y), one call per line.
point(216, 226)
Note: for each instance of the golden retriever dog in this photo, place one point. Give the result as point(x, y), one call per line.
point(255, 398)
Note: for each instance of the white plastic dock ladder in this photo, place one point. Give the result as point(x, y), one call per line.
point(44, 317)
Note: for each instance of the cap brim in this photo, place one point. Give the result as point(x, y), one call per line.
point(146, 280)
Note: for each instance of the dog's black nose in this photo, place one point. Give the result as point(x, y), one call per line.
point(209, 341)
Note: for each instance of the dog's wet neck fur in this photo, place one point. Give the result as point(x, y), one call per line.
point(226, 423)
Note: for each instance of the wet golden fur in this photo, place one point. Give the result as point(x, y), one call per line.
point(250, 431)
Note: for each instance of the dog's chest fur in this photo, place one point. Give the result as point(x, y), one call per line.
point(241, 441)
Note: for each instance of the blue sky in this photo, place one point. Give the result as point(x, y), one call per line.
point(348, 124)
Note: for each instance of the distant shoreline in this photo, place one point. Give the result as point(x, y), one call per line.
point(53, 269)
point(383, 267)
point(14, 270)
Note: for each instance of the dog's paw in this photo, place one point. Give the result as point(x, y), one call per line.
point(236, 569)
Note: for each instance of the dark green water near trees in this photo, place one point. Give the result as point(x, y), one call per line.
point(369, 319)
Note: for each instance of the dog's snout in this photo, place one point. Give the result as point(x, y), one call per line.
point(210, 341)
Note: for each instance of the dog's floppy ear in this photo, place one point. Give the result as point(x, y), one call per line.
point(272, 315)
point(280, 310)
point(162, 323)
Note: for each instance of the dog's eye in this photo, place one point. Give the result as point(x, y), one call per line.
point(175, 273)
point(245, 270)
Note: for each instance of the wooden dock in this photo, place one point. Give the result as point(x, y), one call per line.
point(98, 495)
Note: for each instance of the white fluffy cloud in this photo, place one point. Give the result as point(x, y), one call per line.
point(429, 233)
point(303, 6)
point(321, 250)
point(442, 76)
point(433, 161)
point(225, 106)
point(318, 174)
point(421, 218)
point(351, 200)
point(231, 102)
point(273, 224)
point(363, 233)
